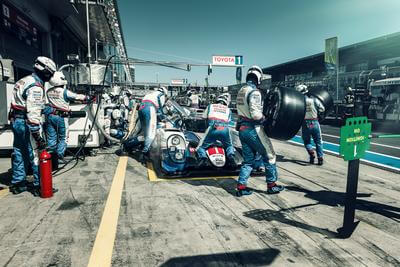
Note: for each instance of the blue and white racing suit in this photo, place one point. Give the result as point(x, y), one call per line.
point(311, 126)
point(56, 111)
point(194, 101)
point(150, 108)
point(119, 123)
point(218, 117)
point(26, 119)
point(252, 136)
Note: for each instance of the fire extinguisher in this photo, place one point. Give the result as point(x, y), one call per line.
point(46, 178)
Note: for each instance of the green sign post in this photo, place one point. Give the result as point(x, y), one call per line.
point(354, 142)
point(354, 138)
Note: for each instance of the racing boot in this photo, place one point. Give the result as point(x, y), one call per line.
point(144, 156)
point(273, 188)
point(243, 190)
point(35, 191)
point(122, 151)
point(312, 156)
point(320, 161)
point(18, 188)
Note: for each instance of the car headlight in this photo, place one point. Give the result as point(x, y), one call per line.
point(179, 155)
point(176, 141)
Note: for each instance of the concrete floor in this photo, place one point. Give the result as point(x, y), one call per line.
point(201, 223)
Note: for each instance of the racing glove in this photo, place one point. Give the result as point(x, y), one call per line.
point(89, 99)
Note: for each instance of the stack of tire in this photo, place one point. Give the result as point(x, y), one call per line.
point(326, 99)
point(284, 110)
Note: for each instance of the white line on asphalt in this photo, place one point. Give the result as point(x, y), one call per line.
point(376, 153)
point(363, 160)
point(372, 143)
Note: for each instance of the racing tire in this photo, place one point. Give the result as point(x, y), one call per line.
point(323, 96)
point(284, 110)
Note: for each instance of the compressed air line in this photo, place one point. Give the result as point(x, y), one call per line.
point(132, 123)
point(100, 127)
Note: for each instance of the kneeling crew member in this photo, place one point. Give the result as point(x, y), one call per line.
point(311, 127)
point(218, 117)
point(26, 119)
point(252, 136)
point(57, 112)
point(150, 109)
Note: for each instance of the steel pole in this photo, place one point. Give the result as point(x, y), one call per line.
point(96, 50)
point(88, 30)
point(337, 76)
point(350, 199)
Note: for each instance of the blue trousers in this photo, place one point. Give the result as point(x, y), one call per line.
point(56, 133)
point(254, 142)
point(25, 154)
point(312, 129)
point(148, 123)
point(212, 135)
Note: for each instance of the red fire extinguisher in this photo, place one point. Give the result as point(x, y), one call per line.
point(46, 178)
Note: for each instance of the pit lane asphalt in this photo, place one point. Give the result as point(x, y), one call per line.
point(187, 222)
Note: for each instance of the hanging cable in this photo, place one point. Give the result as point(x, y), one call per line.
point(85, 139)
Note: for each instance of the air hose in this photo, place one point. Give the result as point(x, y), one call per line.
point(94, 117)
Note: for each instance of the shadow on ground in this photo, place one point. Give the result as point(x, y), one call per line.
point(279, 216)
point(260, 257)
point(229, 185)
point(280, 158)
point(332, 198)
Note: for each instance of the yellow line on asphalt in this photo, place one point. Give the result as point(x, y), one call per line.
point(154, 178)
point(104, 243)
point(4, 192)
point(151, 173)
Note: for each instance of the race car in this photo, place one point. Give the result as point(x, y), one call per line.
point(173, 152)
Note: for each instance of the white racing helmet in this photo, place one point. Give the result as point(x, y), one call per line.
point(302, 88)
point(227, 95)
point(222, 99)
point(58, 79)
point(254, 74)
point(45, 66)
point(115, 90)
point(116, 114)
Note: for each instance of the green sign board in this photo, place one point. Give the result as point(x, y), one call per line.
point(354, 138)
point(331, 51)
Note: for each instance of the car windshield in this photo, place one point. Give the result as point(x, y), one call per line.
point(179, 109)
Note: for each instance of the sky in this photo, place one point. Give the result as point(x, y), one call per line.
point(265, 32)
